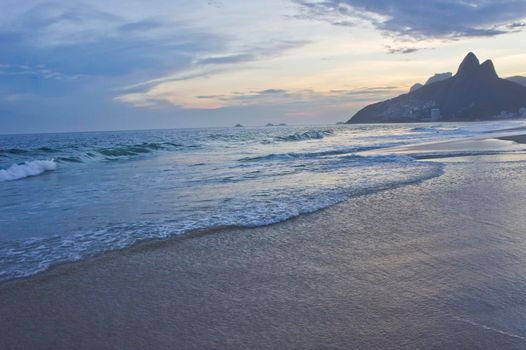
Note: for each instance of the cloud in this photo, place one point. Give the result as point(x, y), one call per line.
point(331, 12)
point(272, 91)
point(401, 50)
point(516, 26)
point(65, 49)
point(208, 66)
point(229, 59)
point(444, 19)
point(141, 26)
point(307, 99)
point(405, 50)
point(39, 71)
point(253, 53)
point(77, 38)
point(215, 3)
point(301, 98)
point(126, 49)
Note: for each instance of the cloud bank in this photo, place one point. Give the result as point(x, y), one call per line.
point(444, 19)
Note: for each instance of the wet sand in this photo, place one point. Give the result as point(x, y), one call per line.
point(435, 265)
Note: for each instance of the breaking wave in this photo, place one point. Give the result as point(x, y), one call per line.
point(308, 135)
point(80, 155)
point(137, 149)
point(27, 169)
point(299, 155)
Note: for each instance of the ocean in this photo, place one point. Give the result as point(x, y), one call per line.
point(68, 196)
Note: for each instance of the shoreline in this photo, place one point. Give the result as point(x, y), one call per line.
point(375, 271)
point(152, 243)
point(501, 143)
point(437, 263)
point(218, 229)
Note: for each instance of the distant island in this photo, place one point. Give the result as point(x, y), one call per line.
point(474, 93)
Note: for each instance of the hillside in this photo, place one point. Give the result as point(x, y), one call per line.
point(474, 93)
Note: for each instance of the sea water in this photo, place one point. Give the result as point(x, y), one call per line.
point(67, 196)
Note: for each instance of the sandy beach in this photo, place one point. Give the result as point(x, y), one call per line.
point(433, 265)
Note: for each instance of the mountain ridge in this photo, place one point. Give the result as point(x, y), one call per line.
point(518, 79)
point(474, 93)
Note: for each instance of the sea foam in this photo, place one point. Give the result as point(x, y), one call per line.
point(32, 168)
point(308, 135)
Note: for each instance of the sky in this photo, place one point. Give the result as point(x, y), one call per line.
point(75, 65)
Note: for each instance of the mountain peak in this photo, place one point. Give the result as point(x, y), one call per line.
point(488, 69)
point(469, 65)
point(475, 93)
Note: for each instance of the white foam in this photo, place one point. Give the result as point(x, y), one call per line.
point(22, 258)
point(33, 168)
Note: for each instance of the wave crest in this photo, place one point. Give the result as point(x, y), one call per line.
point(433, 129)
point(308, 135)
point(294, 155)
point(137, 149)
point(32, 168)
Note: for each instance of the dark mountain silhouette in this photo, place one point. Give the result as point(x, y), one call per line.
point(433, 79)
point(438, 77)
point(518, 79)
point(475, 92)
point(415, 87)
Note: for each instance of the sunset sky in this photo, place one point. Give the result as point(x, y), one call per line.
point(114, 64)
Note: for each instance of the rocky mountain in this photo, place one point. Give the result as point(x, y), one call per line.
point(474, 93)
point(416, 87)
point(433, 79)
point(438, 77)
